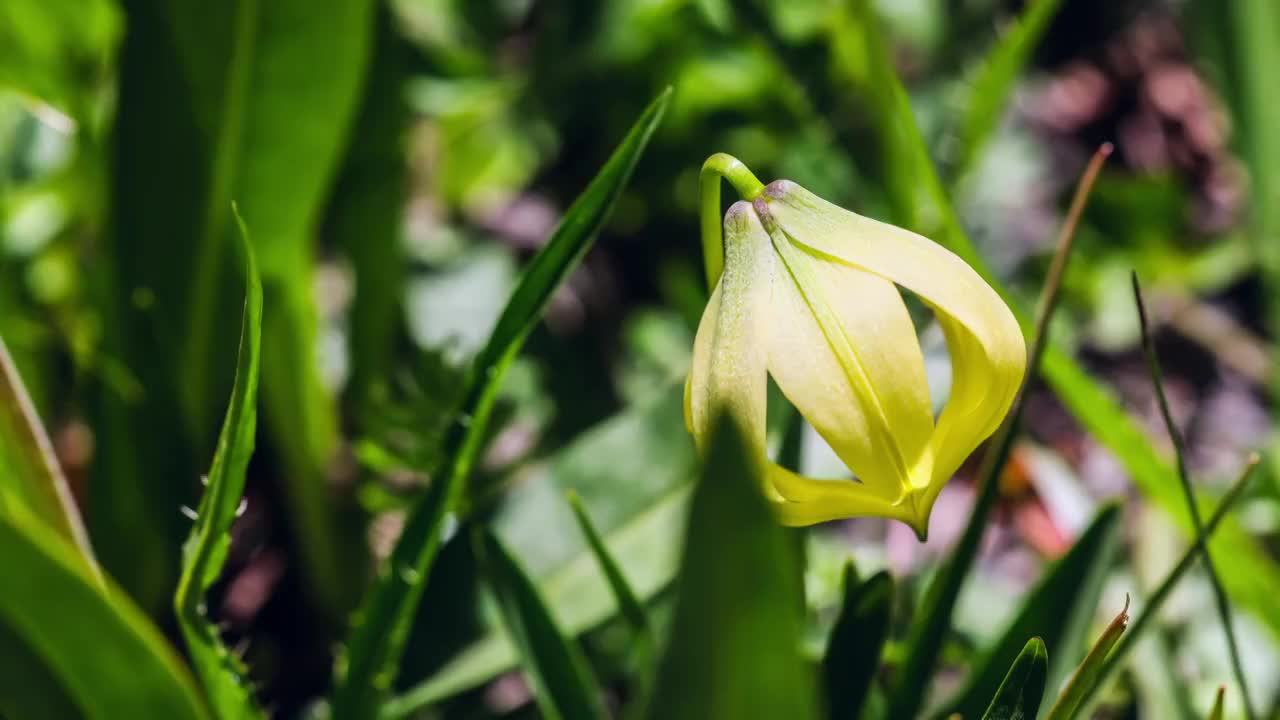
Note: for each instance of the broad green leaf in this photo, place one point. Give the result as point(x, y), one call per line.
point(734, 645)
point(27, 687)
point(109, 658)
point(1151, 610)
point(31, 481)
point(1019, 694)
point(558, 673)
point(629, 605)
point(853, 651)
point(220, 671)
point(1086, 677)
point(247, 101)
point(1058, 611)
point(992, 86)
point(1188, 494)
point(373, 650)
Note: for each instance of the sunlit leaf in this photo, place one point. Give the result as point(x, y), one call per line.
point(562, 682)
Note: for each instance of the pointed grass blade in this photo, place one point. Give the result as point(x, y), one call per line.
point(734, 645)
point(1058, 611)
point(853, 651)
point(992, 86)
point(1217, 711)
point(1019, 694)
point(628, 603)
point(1188, 494)
point(369, 664)
point(221, 672)
point(1086, 677)
point(562, 682)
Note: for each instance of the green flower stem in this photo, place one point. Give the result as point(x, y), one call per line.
point(719, 167)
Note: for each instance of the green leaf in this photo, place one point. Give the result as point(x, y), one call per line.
point(31, 481)
point(1165, 588)
point(633, 472)
point(246, 101)
point(27, 687)
point(107, 656)
point(992, 86)
point(1216, 713)
point(1086, 677)
point(853, 651)
point(628, 603)
point(373, 650)
point(645, 545)
point(1188, 493)
point(561, 680)
point(221, 671)
point(1019, 694)
point(734, 644)
point(1058, 611)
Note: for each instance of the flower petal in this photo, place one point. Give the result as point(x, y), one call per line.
point(838, 499)
point(988, 355)
point(729, 351)
point(843, 349)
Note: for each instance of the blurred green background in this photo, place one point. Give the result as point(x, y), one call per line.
point(397, 162)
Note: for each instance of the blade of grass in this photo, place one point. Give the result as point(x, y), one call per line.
point(1165, 588)
point(991, 87)
point(372, 654)
point(857, 640)
point(1216, 712)
point(31, 479)
point(1086, 676)
point(1058, 610)
point(641, 523)
point(628, 603)
point(562, 682)
point(646, 545)
point(220, 670)
point(1019, 694)
point(925, 641)
point(110, 659)
point(1184, 477)
point(734, 644)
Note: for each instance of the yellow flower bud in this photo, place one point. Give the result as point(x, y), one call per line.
point(809, 295)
